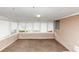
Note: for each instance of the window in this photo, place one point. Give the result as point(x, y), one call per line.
point(43, 27)
point(13, 27)
point(4, 28)
point(29, 27)
point(50, 27)
point(57, 24)
point(36, 27)
point(21, 26)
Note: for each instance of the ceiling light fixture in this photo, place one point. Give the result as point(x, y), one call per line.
point(38, 15)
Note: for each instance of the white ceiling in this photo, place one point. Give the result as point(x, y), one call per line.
point(29, 13)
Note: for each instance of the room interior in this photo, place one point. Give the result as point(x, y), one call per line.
point(39, 29)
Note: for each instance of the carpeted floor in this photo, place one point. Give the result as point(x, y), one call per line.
point(31, 45)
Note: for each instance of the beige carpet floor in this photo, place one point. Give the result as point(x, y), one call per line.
point(31, 45)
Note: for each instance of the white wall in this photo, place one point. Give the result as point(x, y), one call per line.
point(68, 34)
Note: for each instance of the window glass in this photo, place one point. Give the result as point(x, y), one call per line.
point(36, 27)
point(28, 27)
point(50, 27)
point(13, 27)
point(21, 26)
point(43, 27)
point(4, 28)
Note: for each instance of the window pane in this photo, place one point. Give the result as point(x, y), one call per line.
point(4, 28)
point(21, 26)
point(43, 27)
point(13, 27)
point(29, 27)
point(36, 27)
point(50, 27)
